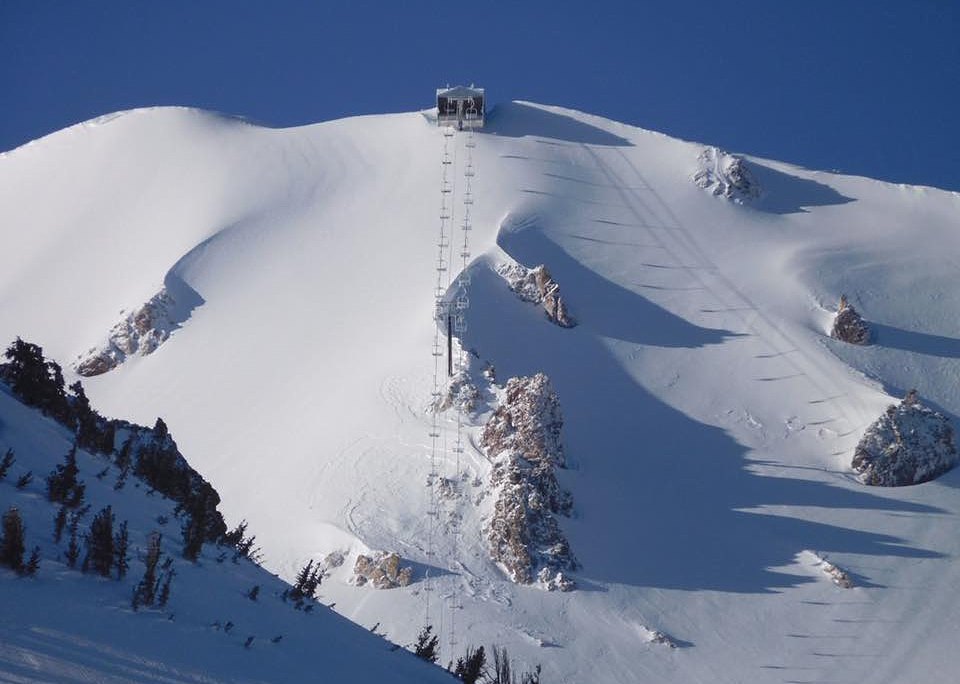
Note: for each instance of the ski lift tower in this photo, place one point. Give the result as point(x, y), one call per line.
point(461, 107)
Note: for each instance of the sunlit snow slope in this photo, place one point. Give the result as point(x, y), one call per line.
point(709, 422)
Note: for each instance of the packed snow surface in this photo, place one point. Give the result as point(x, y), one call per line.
point(709, 421)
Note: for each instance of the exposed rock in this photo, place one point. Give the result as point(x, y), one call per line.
point(461, 393)
point(836, 574)
point(382, 570)
point(658, 637)
point(848, 326)
point(140, 332)
point(725, 175)
point(522, 439)
point(537, 286)
point(910, 443)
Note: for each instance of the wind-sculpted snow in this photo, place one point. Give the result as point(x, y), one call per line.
point(909, 444)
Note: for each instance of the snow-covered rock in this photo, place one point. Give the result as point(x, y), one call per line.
point(138, 333)
point(382, 570)
point(849, 326)
point(522, 439)
point(536, 285)
point(910, 443)
point(725, 175)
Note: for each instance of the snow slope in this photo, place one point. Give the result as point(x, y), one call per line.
point(64, 626)
point(709, 421)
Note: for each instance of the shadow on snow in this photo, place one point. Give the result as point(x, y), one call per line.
point(787, 194)
point(661, 500)
point(518, 120)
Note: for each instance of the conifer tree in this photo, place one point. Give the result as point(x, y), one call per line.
point(63, 486)
point(59, 523)
point(12, 544)
point(25, 479)
point(305, 587)
point(99, 541)
point(427, 643)
point(5, 463)
point(73, 545)
point(121, 543)
point(470, 667)
point(33, 565)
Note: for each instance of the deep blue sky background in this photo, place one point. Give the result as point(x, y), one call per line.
point(870, 88)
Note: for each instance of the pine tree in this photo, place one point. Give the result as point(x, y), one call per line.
point(25, 479)
point(63, 486)
point(427, 643)
point(73, 545)
point(33, 565)
point(59, 523)
point(244, 546)
point(12, 543)
point(470, 667)
point(166, 577)
point(99, 541)
point(254, 592)
point(5, 463)
point(146, 591)
point(88, 436)
point(36, 381)
point(121, 543)
point(305, 587)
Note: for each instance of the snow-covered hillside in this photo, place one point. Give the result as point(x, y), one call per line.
point(708, 419)
point(61, 625)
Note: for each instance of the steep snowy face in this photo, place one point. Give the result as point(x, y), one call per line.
point(708, 420)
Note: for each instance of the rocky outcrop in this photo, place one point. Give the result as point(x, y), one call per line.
point(725, 175)
point(910, 443)
point(537, 286)
point(522, 439)
point(382, 570)
point(848, 326)
point(140, 332)
point(460, 393)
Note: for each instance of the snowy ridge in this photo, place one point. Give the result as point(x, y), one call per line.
point(709, 421)
point(66, 626)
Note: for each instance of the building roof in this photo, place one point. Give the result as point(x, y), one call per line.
point(460, 91)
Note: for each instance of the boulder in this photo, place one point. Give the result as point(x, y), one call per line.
point(536, 285)
point(382, 570)
point(725, 175)
point(910, 443)
point(848, 326)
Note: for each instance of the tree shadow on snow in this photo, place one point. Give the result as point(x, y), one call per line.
point(786, 194)
point(661, 500)
point(518, 120)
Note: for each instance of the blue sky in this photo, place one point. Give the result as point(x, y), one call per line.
point(871, 88)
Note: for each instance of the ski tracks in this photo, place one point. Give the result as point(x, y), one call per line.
point(674, 240)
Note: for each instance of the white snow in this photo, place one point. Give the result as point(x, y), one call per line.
point(709, 421)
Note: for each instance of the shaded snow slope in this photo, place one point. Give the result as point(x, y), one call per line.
point(64, 626)
point(709, 421)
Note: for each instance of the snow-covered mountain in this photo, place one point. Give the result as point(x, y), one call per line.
point(284, 282)
point(224, 618)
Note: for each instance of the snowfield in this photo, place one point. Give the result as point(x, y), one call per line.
point(709, 420)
